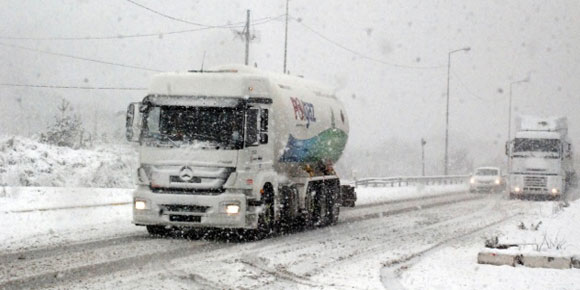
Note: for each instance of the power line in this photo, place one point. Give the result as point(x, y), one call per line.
point(234, 25)
point(470, 92)
point(168, 16)
point(259, 21)
point(119, 37)
point(78, 57)
point(361, 55)
point(71, 87)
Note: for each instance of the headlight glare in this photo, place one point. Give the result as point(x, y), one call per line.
point(140, 204)
point(232, 209)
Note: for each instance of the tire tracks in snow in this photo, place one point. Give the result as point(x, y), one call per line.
point(48, 276)
point(347, 255)
point(63, 249)
point(51, 278)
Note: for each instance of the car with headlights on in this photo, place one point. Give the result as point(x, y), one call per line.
point(487, 179)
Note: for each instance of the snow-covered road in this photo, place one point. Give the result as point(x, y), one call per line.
point(348, 255)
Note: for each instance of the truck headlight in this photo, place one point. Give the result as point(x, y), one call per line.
point(554, 190)
point(517, 189)
point(232, 209)
point(497, 181)
point(472, 180)
point(140, 204)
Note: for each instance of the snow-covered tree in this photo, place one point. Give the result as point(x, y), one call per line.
point(67, 130)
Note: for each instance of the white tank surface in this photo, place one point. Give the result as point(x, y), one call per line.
point(307, 123)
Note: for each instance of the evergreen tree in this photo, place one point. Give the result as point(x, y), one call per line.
point(67, 129)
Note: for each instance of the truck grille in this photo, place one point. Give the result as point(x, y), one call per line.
point(185, 218)
point(185, 208)
point(535, 181)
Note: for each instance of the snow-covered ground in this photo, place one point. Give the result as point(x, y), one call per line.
point(437, 246)
point(39, 216)
point(33, 217)
point(558, 227)
point(25, 162)
point(372, 195)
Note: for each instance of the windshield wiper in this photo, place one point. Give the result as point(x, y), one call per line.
point(171, 140)
point(207, 137)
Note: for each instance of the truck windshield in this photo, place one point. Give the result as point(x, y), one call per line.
point(537, 145)
point(212, 126)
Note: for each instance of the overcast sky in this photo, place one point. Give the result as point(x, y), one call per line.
point(388, 59)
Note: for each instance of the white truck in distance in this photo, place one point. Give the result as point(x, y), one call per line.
point(540, 158)
point(236, 148)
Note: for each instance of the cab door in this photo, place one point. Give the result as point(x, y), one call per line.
point(257, 136)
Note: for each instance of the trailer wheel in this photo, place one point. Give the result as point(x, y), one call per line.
point(335, 214)
point(333, 194)
point(322, 215)
point(160, 231)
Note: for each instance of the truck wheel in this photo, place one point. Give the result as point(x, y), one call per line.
point(266, 222)
point(322, 212)
point(333, 205)
point(335, 215)
point(160, 231)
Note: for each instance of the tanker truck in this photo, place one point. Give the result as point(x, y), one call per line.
point(540, 158)
point(235, 147)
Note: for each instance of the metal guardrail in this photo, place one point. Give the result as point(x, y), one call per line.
point(411, 180)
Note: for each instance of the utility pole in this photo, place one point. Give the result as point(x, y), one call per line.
point(286, 37)
point(423, 142)
point(247, 36)
point(466, 49)
point(509, 159)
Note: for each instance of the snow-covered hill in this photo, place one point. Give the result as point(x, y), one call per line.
point(25, 162)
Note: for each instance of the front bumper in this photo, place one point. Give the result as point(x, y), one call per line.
point(536, 185)
point(189, 210)
point(485, 187)
point(539, 192)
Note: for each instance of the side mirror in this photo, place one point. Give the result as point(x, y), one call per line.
point(263, 138)
point(133, 122)
point(507, 148)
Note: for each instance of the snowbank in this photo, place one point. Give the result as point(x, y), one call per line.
point(78, 214)
point(557, 235)
point(23, 199)
point(25, 162)
point(370, 195)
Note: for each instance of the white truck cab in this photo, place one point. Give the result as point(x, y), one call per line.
point(540, 158)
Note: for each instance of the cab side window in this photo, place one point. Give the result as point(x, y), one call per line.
point(264, 126)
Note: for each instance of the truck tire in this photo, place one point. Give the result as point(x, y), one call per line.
point(333, 199)
point(335, 215)
point(323, 213)
point(320, 214)
point(266, 222)
point(160, 231)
